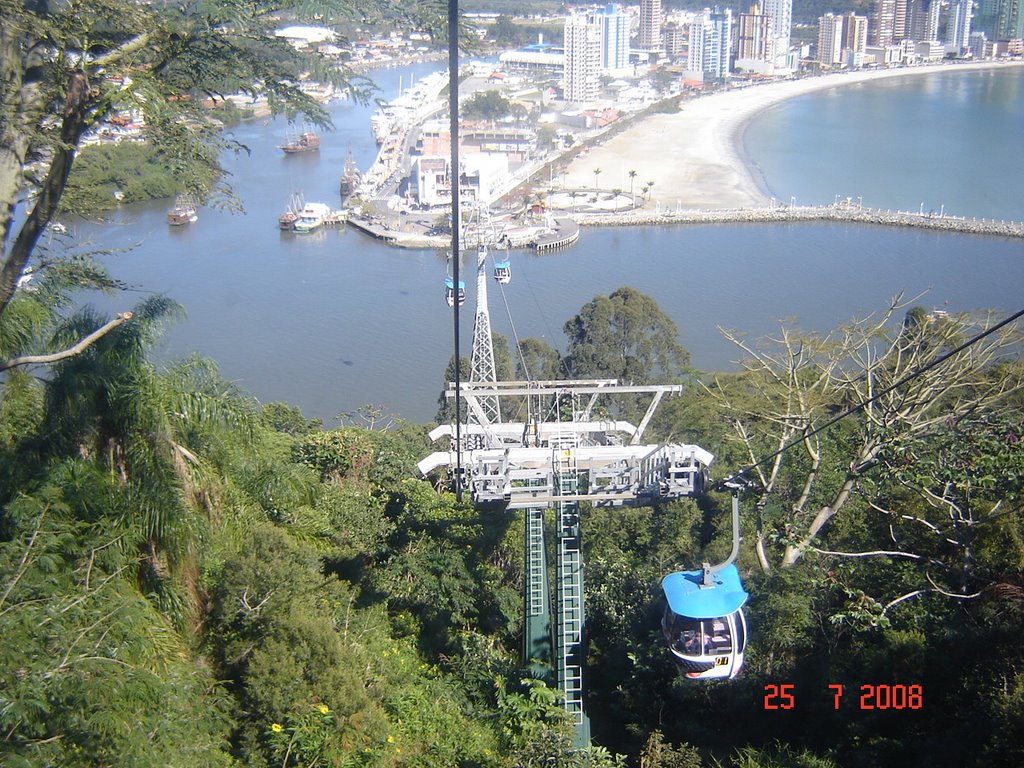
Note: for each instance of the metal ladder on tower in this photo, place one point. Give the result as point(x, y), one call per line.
point(569, 648)
point(537, 601)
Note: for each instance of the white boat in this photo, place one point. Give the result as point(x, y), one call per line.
point(311, 217)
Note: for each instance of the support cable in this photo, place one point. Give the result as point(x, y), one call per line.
point(453, 109)
point(739, 476)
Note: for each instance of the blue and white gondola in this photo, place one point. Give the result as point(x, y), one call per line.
point(503, 272)
point(704, 624)
point(451, 295)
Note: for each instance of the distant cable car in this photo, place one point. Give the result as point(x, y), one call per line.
point(503, 271)
point(704, 625)
point(451, 295)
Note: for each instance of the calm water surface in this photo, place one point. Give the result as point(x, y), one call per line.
point(335, 320)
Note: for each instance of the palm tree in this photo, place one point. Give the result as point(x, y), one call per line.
point(597, 172)
point(147, 430)
point(632, 176)
point(650, 185)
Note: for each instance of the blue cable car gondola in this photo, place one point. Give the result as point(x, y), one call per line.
point(503, 271)
point(704, 625)
point(451, 295)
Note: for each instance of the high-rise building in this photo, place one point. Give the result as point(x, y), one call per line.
point(855, 33)
point(830, 40)
point(958, 26)
point(881, 15)
point(781, 12)
point(614, 37)
point(1010, 20)
point(755, 36)
point(711, 43)
point(650, 25)
point(923, 20)
point(673, 39)
point(582, 78)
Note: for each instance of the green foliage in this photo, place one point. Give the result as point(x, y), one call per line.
point(289, 419)
point(338, 454)
point(624, 336)
point(657, 754)
point(90, 674)
point(780, 756)
point(486, 105)
point(133, 169)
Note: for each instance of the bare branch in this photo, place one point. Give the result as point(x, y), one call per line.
point(70, 351)
point(873, 553)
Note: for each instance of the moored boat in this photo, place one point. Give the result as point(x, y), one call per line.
point(350, 177)
point(183, 212)
point(286, 221)
point(304, 142)
point(311, 217)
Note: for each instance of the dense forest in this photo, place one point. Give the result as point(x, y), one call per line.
point(190, 578)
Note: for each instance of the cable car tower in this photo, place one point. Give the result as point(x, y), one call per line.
point(482, 360)
point(562, 454)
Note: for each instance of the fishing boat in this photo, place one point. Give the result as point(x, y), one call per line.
point(286, 221)
point(311, 217)
point(183, 212)
point(304, 142)
point(350, 177)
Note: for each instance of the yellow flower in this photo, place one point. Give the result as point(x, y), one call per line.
point(391, 739)
point(276, 727)
point(324, 709)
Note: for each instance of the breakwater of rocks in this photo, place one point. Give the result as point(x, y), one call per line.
point(842, 212)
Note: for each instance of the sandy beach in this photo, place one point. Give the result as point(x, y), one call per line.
point(692, 156)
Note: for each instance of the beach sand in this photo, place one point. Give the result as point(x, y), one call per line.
point(693, 156)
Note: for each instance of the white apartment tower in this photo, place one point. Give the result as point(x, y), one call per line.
point(830, 40)
point(711, 42)
point(614, 37)
point(582, 78)
point(958, 26)
point(650, 25)
point(781, 12)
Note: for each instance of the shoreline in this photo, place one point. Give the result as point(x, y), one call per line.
point(711, 169)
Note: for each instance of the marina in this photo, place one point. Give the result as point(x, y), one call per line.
point(379, 316)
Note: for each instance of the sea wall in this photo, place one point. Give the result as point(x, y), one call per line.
point(844, 213)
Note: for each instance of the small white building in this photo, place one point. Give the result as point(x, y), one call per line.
point(304, 37)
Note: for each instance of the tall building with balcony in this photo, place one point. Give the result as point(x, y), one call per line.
point(781, 12)
point(614, 37)
point(830, 40)
point(650, 25)
point(923, 19)
point(855, 33)
point(1010, 20)
point(582, 78)
point(755, 41)
point(958, 26)
point(881, 23)
point(711, 43)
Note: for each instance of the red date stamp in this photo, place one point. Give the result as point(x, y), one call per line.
point(897, 696)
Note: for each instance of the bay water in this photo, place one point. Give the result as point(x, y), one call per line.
point(336, 320)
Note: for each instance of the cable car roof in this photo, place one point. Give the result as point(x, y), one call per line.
point(687, 597)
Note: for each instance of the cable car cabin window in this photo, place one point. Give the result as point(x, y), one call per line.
point(693, 637)
point(741, 632)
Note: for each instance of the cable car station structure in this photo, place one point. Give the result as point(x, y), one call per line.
point(561, 454)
